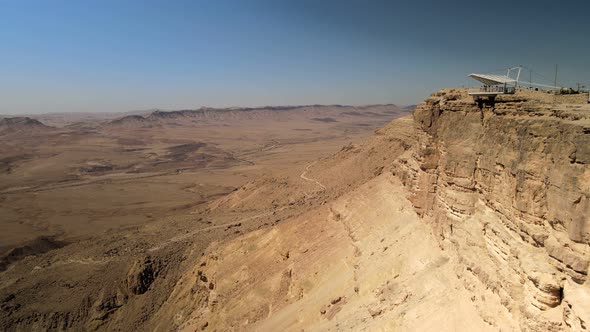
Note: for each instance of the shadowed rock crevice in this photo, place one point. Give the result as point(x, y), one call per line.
point(34, 247)
point(142, 274)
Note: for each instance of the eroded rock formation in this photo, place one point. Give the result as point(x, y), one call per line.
point(507, 190)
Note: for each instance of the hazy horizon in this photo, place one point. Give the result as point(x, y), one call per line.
point(119, 56)
point(148, 110)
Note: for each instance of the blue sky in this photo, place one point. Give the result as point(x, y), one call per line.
point(81, 56)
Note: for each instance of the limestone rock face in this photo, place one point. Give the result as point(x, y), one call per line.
point(507, 189)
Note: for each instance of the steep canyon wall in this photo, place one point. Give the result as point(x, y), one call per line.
point(507, 189)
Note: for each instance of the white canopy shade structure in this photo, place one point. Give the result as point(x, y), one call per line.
point(488, 79)
point(496, 84)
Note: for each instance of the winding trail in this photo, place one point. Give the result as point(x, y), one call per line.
point(309, 179)
point(201, 230)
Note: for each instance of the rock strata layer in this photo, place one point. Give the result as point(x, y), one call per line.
point(507, 190)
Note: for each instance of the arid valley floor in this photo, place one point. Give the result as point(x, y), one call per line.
point(84, 197)
point(450, 217)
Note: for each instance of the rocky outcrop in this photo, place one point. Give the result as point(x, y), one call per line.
point(21, 125)
point(37, 246)
point(142, 274)
point(507, 189)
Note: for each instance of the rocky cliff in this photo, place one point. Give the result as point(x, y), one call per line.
point(459, 218)
point(507, 190)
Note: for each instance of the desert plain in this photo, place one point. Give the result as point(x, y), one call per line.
point(85, 196)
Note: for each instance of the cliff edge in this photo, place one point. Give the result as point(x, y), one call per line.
point(458, 218)
point(507, 189)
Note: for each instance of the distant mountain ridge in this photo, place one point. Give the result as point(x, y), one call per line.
point(208, 114)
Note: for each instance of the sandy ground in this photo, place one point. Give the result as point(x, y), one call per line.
point(129, 174)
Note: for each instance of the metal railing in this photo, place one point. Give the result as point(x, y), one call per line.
point(497, 88)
